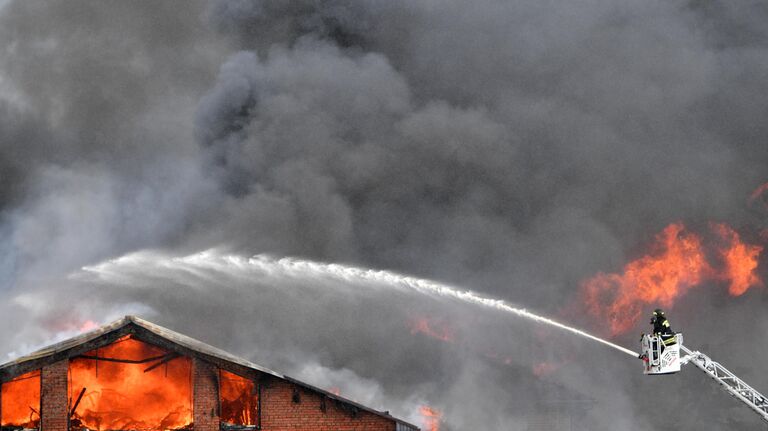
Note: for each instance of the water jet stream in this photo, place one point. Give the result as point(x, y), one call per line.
point(265, 264)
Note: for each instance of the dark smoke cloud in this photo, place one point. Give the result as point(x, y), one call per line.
point(514, 147)
point(99, 156)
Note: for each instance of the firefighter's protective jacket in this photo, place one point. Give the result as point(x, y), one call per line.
point(661, 326)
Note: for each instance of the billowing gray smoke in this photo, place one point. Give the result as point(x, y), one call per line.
point(515, 148)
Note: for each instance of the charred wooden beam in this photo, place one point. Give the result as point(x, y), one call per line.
point(123, 361)
point(156, 340)
point(77, 403)
point(164, 360)
point(258, 405)
point(16, 369)
point(9, 371)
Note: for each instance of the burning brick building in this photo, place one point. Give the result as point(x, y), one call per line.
point(135, 375)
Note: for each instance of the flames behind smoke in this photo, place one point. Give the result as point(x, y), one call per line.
point(516, 147)
point(740, 260)
point(431, 417)
point(677, 262)
point(434, 329)
point(544, 369)
point(758, 194)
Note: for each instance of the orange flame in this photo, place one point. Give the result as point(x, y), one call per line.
point(239, 399)
point(431, 418)
point(740, 260)
point(21, 401)
point(446, 334)
point(422, 325)
point(131, 396)
point(88, 325)
point(335, 391)
point(543, 369)
point(758, 192)
point(676, 264)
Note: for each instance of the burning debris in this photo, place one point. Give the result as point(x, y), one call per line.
point(677, 262)
point(239, 400)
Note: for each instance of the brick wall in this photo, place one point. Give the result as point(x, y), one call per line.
point(205, 391)
point(54, 397)
point(279, 412)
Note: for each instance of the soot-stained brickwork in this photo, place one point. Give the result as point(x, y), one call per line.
point(286, 406)
point(53, 394)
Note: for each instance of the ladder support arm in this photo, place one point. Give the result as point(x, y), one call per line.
point(728, 381)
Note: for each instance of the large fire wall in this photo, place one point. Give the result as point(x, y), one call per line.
point(130, 385)
point(20, 401)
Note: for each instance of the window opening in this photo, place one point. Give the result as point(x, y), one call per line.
point(20, 406)
point(130, 385)
point(239, 398)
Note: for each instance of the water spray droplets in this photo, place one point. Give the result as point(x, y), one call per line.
point(264, 265)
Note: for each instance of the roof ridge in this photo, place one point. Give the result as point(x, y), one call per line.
point(60, 350)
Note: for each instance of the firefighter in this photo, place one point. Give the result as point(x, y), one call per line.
point(661, 327)
point(660, 323)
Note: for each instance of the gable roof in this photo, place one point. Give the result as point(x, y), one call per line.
point(161, 337)
point(128, 325)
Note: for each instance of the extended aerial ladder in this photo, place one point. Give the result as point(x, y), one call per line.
point(660, 357)
point(732, 384)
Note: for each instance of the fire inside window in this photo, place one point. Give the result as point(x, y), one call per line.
point(130, 385)
point(239, 402)
point(20, 406)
